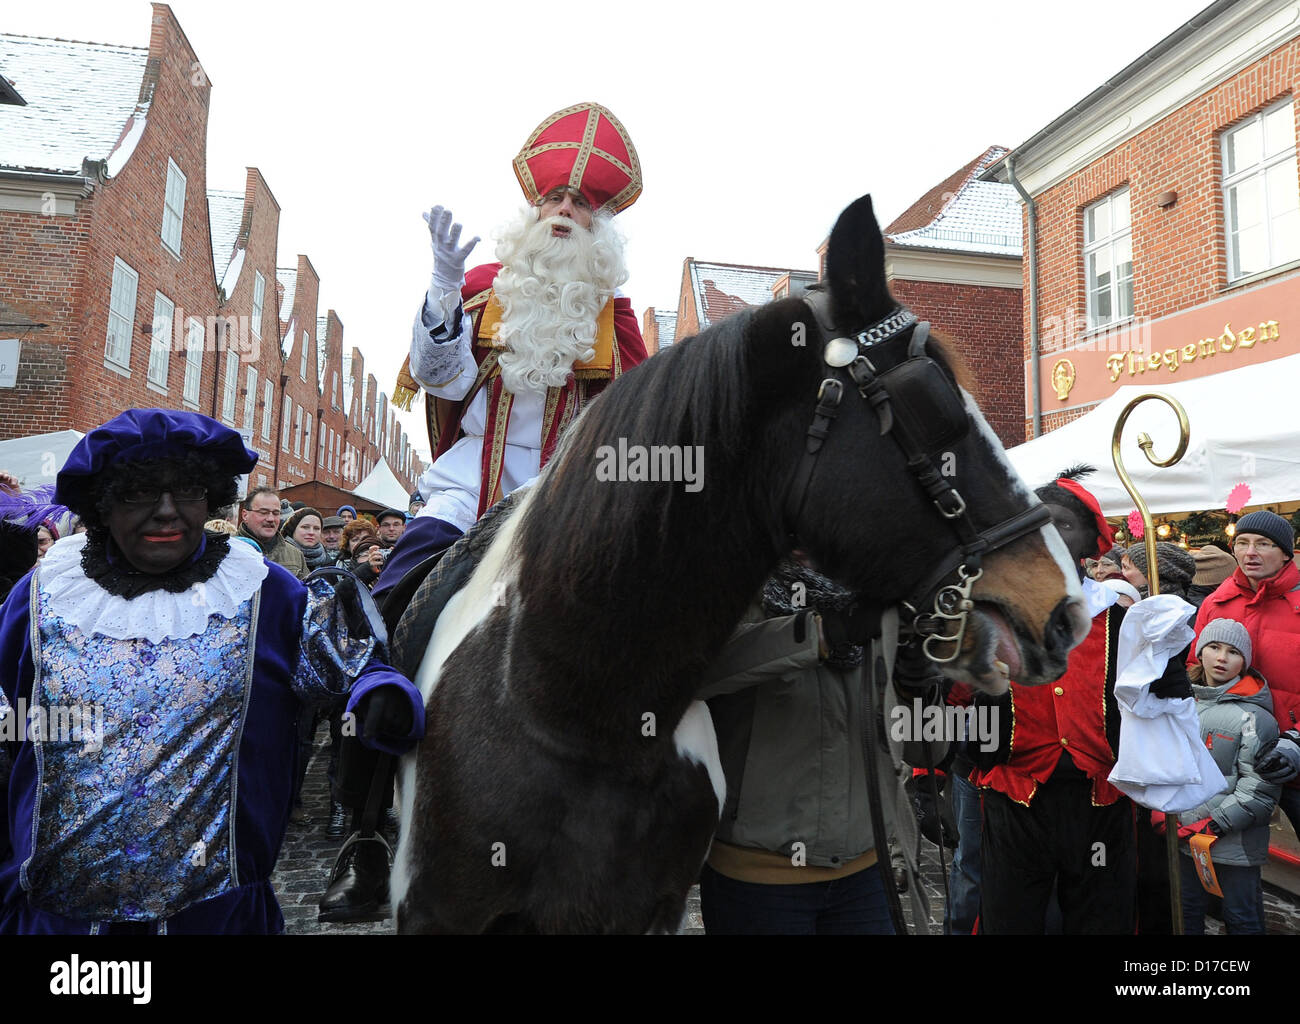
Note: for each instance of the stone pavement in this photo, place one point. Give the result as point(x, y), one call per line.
point(307, 857)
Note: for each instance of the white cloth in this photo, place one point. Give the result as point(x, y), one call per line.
point(1162, 763)
point(1097, 597)
point(153, 616)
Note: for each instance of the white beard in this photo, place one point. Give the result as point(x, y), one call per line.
point(551, 290)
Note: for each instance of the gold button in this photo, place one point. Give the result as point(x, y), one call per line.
point(1064, 742)
point(1060, 692)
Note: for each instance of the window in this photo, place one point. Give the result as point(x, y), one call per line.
point(193, 359)
point(250, 398)
point(306, 440)
point(1260, 197)
point(231, 383)
point(121, 314)
point(297, 431)
point(302, 363)
point(320, 456)
point(173, 208)
point(1108, 255)
point(160, 342)
point(334, 390)
point(259, 297)
point(268, 395)
point(285, 413)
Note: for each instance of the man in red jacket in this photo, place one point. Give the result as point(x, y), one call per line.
point(1264, 595)
point(1051, 816)
point(509, 354)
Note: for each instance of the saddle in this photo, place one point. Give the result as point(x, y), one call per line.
point(412, 607)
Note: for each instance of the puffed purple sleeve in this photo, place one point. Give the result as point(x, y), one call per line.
point(335, 663)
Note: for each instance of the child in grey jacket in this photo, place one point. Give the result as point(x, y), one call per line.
point(1236, 713)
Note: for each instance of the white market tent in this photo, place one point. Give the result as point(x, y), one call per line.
point(35, 460)
point(1245, 429)
point(381, 484)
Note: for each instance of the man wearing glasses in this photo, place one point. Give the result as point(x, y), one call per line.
point(1264, 594)
point(260, 520)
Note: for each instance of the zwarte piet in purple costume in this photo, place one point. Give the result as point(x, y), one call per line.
point(151, 680)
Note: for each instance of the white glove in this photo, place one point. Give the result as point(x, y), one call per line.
point(448, 257)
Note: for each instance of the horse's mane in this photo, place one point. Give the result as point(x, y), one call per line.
point(701, 391)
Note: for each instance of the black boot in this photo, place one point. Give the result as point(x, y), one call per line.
point(358, 889)
point(338, 820)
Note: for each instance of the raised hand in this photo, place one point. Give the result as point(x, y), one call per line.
point(448, 254)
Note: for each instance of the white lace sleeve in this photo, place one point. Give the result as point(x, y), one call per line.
point(441, 359)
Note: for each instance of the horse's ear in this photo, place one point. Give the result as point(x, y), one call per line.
point(855, 267)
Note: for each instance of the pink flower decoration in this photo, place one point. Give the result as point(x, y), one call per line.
point(1136, 528)
point(1238, 497)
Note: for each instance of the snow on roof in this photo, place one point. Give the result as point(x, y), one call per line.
point(288, 279)
point(79, 99)
point(225, 215)
point(233, 269)
point(286, 343)
point(721, 289)
point(667, 324)
point(961, 214)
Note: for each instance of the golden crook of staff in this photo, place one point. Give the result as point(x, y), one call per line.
point(1153, 582)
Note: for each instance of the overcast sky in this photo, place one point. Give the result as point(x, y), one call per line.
point(755, 123)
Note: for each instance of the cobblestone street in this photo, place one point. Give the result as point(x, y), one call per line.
point(308, 855)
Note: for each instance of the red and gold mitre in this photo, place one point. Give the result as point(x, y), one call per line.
point(586, 148)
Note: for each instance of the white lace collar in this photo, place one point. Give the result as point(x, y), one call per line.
point(153, 616)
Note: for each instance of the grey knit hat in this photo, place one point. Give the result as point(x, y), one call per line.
point(1226, 631)
point(1177, 567)
point(1271, 525)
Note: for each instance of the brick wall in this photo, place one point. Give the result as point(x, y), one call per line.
point(258, 238)
point(333, 414)
point(650, 331)
point(39, 258)
point(1179, 252)
point(688, 317)
point(983, 324)
point(301, 388)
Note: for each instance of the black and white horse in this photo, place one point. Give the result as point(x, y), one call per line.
point(568, 782)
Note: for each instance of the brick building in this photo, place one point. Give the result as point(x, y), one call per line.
point(1162, 222)
point(103, 230)
point(658, 329)
point(953, 257)
point(245, 388)
point(129, 283)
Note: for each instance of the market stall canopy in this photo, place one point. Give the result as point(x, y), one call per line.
point(382, 484)
point(1245, 429)
point(35, 460)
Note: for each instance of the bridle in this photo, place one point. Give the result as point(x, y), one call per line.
point(920, 408)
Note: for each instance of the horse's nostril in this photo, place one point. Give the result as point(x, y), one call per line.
point(1060, 630)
